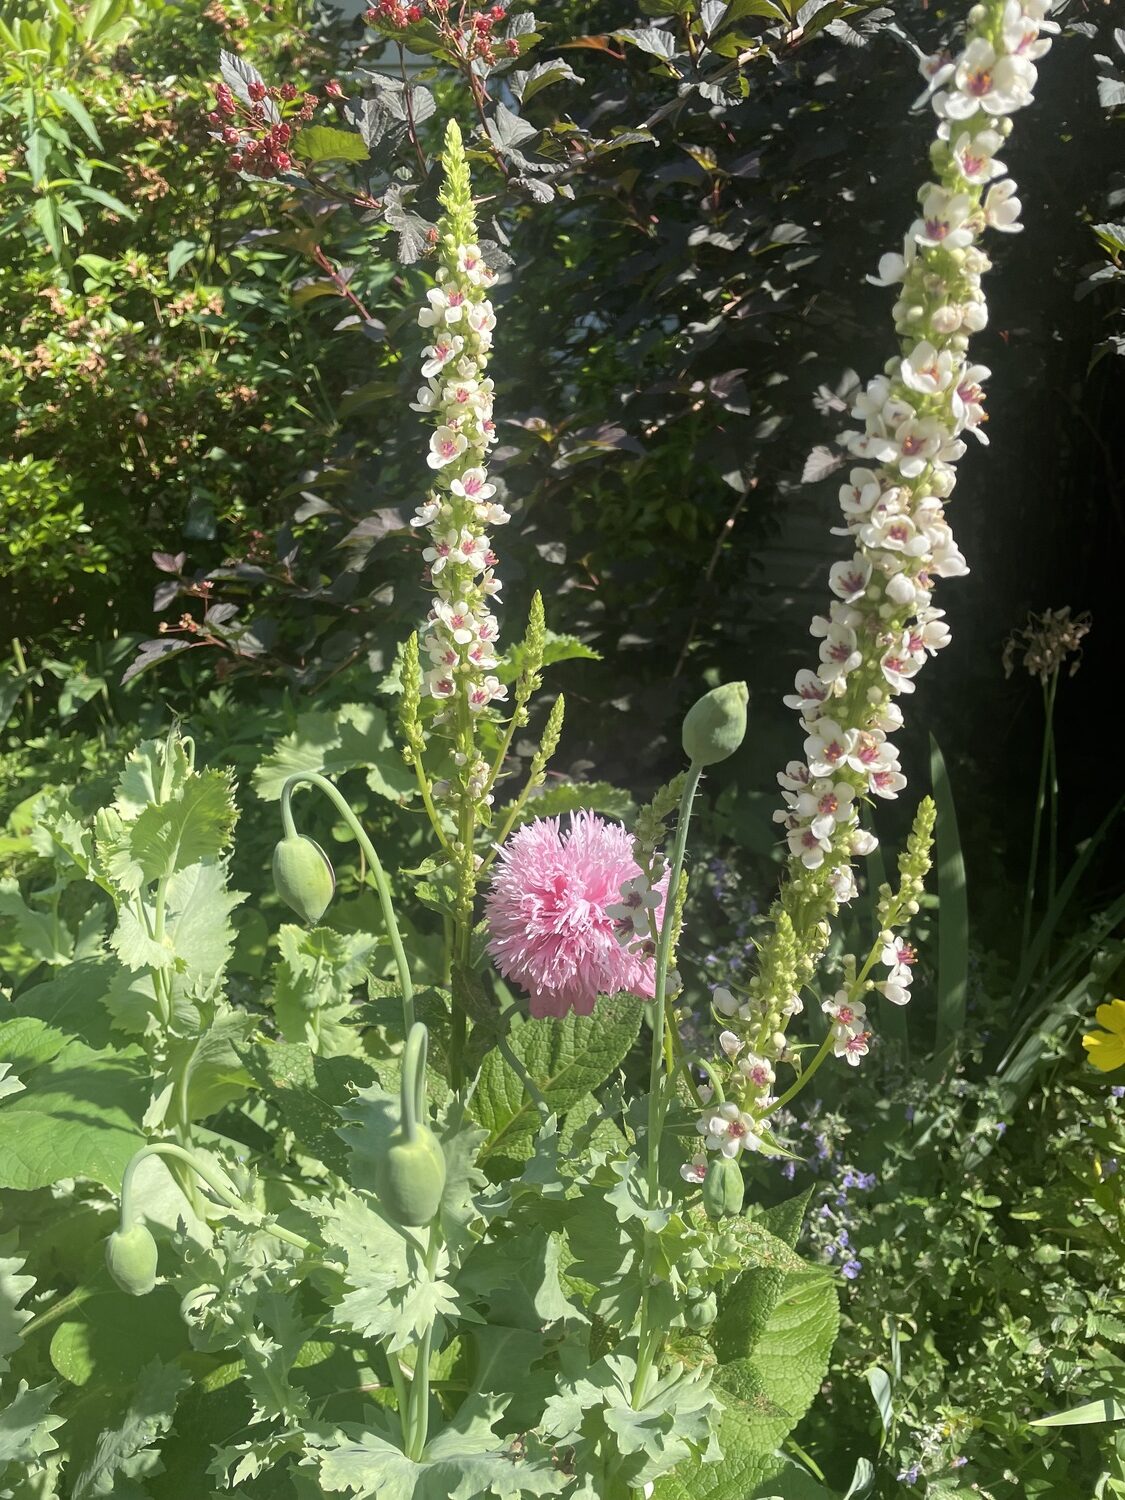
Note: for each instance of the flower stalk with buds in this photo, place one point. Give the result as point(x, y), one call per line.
point(882, 624)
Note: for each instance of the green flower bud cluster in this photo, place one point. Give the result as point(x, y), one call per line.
point(723, 1188)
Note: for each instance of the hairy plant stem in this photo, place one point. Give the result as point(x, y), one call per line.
point(649, 1335)
point(417, 1425)
point(214, 1181)
point(382, 884)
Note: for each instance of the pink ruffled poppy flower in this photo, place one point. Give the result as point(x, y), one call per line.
point(548, 913)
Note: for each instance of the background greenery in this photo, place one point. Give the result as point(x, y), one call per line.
point(199, 420)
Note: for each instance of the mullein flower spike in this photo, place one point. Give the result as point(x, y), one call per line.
point(459, 639)
point(882, 625)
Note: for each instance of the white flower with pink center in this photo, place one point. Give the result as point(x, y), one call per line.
point(487, 691)
point(458, 620)
point(757, 1071)
point(445, 308)
point(795, 777)
point(944, 222)
point(927, 370)
point(695, 1171)
point(968, 400)
point(807, 846)
point(975, 156)
point(729, 1130)
point(860, 493)
point(852, 1048)
point(438, 354)
point(473, 485)
point(809, 694)
point(446, 447)
point(839, 653)
point(826, 805)
point(848, 1016)
point(849, 580)
point(440, 550)
point(828, 747)
point(995, 85)
point(886, 782)
point(899, 666)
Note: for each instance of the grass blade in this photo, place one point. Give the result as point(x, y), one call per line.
point(953, 909)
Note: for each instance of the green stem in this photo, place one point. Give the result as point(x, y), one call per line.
point(806, 1074)
point(214, 1181)
point(505, 746)
point(649, 1336)
point(657, 1103)
point(1053, 814)
point(418, 1408)
point(382, 884)
point(1040, 798)
point(428, 802)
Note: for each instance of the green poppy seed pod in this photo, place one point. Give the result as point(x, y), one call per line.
point(303, 877)
point(130, 1255)
point(723, 1188)
point(701, 1312)
point(715, 726)
point(410, 1178)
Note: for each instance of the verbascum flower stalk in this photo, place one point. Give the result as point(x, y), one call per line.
point(459, 640)
point(882, 624)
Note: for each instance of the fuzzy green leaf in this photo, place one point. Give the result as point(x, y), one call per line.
point(126, 1450)
point(465, 1461)
point(26, 1424)
point(13, 1288)
point(776, 1383)
point(567, 1059)
point(195, 826)
point(332, 743)
point(575, 796)
point(78, 1115)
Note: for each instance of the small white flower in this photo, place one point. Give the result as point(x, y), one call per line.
point(828, 747)
point(446, 447)
point(853, 1048)
point(426, 399)
point(731, 1044)
point(848, 1016)
point(724, 1002)
point(1002, 207)
point(473, 485)
point(694, 1171)
point(437, 355)
point(729, 1130)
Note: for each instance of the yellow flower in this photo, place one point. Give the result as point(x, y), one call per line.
point(1107, 1048)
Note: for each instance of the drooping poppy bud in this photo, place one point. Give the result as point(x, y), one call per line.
point(303, 877)
point(131, 1257)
